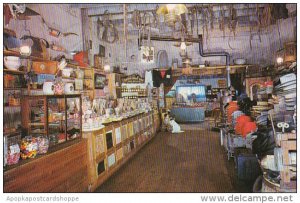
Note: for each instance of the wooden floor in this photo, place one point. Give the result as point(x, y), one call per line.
point(192, 161)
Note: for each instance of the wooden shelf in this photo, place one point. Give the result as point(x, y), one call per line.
point(36, 124)
point(17, 72)
point(15, 53)
point(11, 133)
point(70, 65)
point(18, 106)
point(14, 88)
point(68, 78)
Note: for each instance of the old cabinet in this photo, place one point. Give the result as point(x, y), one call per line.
point(56, 116)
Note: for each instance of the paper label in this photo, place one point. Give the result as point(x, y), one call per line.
point(14, 149)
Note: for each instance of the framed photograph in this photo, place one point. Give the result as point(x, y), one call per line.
point(98, 62)
point(99, 81)
point(101, 50)
point(147, 54)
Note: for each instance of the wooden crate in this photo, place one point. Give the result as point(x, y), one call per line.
point(49, 67)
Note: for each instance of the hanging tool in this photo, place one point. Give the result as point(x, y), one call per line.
point(55, 32)
point(233, 20)
point(99, 24)
point(258, 22)
point(110, 33)
point(283, 126)
point(125, 29)
point(212, 16)
point(250, 38)
point(222, 20)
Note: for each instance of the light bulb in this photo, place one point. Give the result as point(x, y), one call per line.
point(279, 60)
point(107, 68)
point(25, 48)
point(183, 46)
point(170, 7)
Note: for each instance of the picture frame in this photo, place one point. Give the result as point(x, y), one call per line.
point(101, 50)
point(99, 81)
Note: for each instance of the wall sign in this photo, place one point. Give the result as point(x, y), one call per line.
point(222, 83)
point(134, 78)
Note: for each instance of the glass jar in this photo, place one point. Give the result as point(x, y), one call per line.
point(13, 151)
point(53, 139)
point(43, 144)
point(29, 147)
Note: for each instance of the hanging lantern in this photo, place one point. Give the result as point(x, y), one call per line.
point(171, 13)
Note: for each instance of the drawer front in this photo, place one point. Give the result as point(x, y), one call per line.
point(45, 67)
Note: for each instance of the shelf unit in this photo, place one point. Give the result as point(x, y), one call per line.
point(37, 118)
point(87, 88)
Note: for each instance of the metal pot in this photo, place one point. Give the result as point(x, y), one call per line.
point(66, 72)
point(48, 88)
point(12, 62)
point(69, 88)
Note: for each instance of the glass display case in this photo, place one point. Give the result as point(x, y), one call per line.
point(56, 116)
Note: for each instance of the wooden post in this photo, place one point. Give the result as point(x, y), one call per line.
point(85, 29)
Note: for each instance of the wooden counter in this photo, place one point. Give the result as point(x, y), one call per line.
point(105, 157)
point(62, 170)
point(188, 114)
